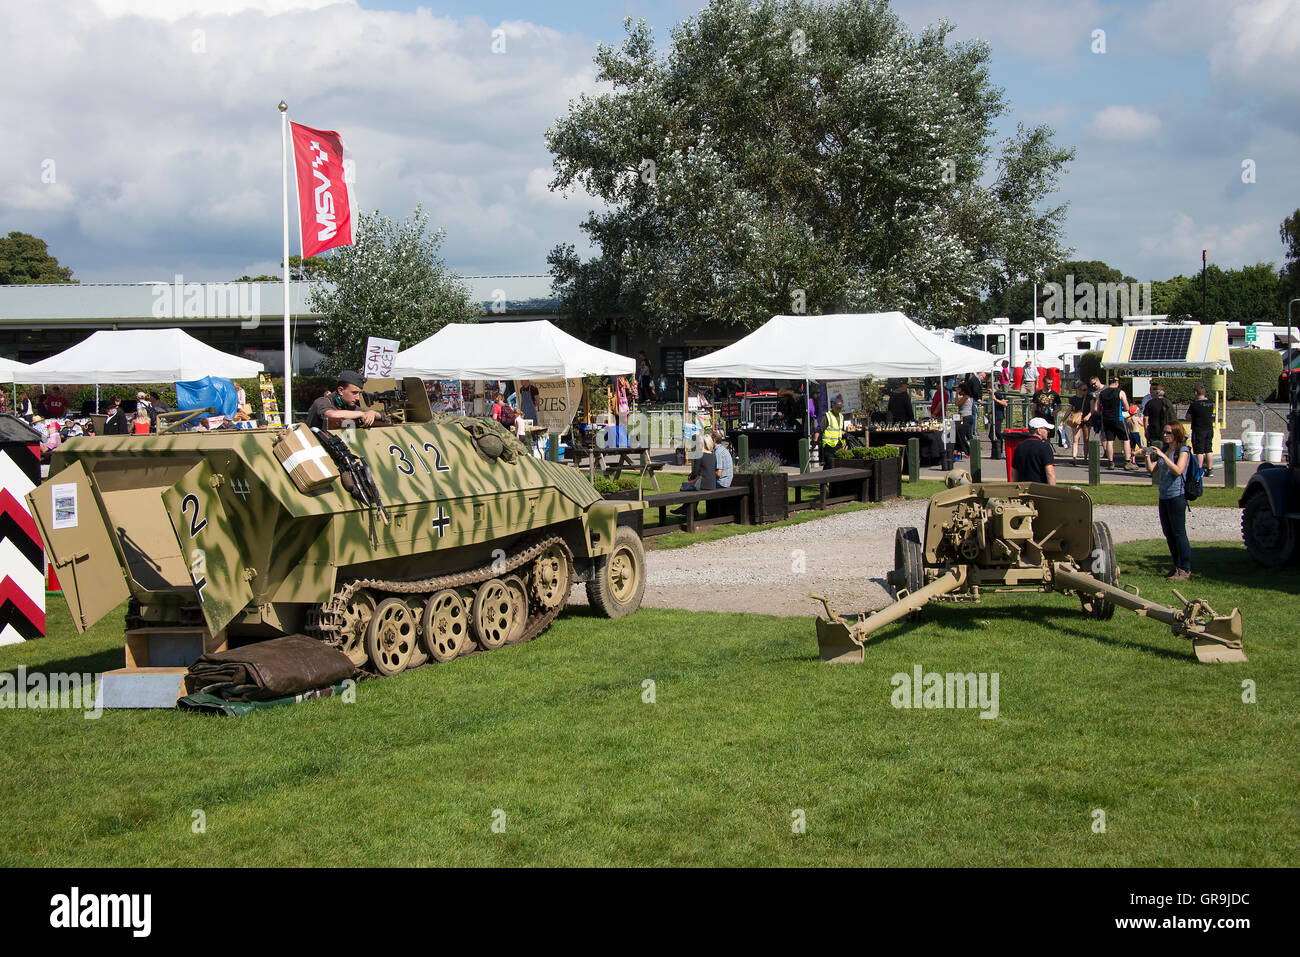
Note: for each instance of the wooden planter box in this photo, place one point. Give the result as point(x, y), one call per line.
point(886, 474)
point(626, 495)
point(769, 496)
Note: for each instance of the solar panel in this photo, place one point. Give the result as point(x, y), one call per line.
point(1160, 345)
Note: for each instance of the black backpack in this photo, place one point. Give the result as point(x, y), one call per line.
point(973, 386)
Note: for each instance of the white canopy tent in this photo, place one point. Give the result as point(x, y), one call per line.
point(507, 350)
point(11, 371)
point(842, 346)
point(881, 344)
point(138, 356)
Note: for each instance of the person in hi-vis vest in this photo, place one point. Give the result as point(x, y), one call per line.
point(834, 432)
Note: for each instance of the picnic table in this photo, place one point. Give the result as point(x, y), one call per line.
point(629, 457)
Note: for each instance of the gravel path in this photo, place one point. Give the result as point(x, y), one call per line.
point(844, 557)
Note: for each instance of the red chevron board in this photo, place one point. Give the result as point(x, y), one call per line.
point(22, 554)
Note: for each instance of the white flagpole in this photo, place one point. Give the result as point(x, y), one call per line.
point(288, 347)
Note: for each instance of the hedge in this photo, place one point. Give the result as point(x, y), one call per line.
point(1255, 373)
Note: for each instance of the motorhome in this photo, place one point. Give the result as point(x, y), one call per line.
point(1045, 343)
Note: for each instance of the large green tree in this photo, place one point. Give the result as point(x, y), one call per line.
point(1290, 275)
point(788, 154)
point(26, 259)
point(1016, 300)
point(1250, 294)
point(391, 283)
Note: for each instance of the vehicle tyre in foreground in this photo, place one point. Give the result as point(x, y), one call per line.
point(616, 588)
point(1271, 539)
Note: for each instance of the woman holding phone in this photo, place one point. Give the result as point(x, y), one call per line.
point(1173, 461)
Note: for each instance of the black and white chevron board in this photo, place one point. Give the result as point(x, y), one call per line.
point(22, 556)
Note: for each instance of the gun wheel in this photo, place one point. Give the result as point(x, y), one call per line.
point(496, 613)
point(1104, 569)
point(444, 626)
point(552, 578)
point(909, 564)
point(356, 622)
point(391, 637)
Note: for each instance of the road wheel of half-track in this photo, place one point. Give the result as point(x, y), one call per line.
point(1104, 569)
point(418, 655)
point(496, 610)
point(619, 581)
point(1271, 539)
point(356, 622)
point(520, 595)
point(444, 626)
point(391, 637)
point(551, 577)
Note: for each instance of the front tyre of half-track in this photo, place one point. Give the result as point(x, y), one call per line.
point(618, 583)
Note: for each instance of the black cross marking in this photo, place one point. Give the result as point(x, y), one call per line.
point(441, 522)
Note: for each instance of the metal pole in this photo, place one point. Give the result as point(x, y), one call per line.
point(288, 346)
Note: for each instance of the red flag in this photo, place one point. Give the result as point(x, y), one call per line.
point(324, 198)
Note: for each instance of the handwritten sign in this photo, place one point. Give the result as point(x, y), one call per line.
point(380, 355)
point(557, 399)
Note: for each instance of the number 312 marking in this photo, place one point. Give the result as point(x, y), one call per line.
point(405, 466)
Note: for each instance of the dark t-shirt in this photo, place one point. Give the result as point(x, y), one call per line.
point(1030, 460)
point(55, 406)
point(900, 406)
point(316, 414)
point(1201, 414)
point(1110, 402)
point(707, 466)
point(1046, 404)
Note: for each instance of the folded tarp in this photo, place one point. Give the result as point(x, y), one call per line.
point(211, 704)
point(276, 668)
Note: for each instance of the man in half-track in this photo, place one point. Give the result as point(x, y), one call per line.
point(342, 405)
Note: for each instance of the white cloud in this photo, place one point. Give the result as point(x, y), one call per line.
point(1123, 123)
point(1261, 52)
point(1048, 32)
point(1184, 240)
point(182, 9)
point(165, 153)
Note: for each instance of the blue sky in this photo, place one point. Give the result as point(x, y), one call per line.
point(143, 139)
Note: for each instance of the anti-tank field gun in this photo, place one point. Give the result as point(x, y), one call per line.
point(1018, 537)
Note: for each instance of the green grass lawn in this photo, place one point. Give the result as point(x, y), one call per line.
point(748, 727)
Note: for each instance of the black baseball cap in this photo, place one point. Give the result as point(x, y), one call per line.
point(348, 377)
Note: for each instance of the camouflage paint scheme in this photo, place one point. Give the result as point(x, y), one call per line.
point(212, 518)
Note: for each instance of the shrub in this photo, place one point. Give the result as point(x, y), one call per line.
point(1255, 372)
point(1089, 365)
point(765, 463)
point(608, 486)
point(874, 452)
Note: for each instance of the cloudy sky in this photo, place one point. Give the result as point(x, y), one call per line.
point(142, 140)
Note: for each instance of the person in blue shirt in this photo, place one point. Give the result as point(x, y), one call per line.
point(726, 464)
point(1173, 461)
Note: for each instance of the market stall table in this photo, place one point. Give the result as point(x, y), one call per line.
point(931, 440)
point(780, 442)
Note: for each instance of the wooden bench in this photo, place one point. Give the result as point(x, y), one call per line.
point(834, 486)
point(733, 506)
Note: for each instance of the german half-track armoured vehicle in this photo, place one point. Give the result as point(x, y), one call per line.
point(1003, 536)
point(428, 539)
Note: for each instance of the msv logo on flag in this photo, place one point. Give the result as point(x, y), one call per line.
point(324, 196)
